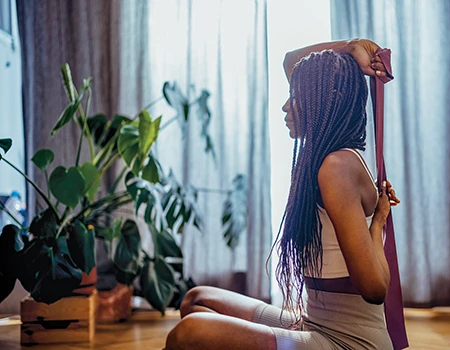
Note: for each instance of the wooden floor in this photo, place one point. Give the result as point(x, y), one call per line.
point(427, 330)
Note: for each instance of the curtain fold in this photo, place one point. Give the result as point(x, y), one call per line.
point(131, 48)
point(416, 132)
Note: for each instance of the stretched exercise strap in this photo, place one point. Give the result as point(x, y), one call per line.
point(393, 303)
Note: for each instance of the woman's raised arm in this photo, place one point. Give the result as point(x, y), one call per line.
point(362, 50)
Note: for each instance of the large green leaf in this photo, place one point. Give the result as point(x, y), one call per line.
point(43, 158)
point(166, 245)
point(91, 180)
point(47, 270)
point(45, 224)
point(96, 125)
point(148, 133)
point(81, 245)
point(157, 283)
point(234, 216)
point(152, 170)
point(10, 244)
point(5, 145)
point(66, 115)
point(128, 143)
point(127, 257)
point(67, 185)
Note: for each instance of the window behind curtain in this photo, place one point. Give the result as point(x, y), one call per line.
point(11, 119)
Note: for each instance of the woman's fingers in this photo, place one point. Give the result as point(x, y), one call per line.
point(391, 193)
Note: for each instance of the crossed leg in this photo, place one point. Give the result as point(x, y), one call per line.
point(214, 318)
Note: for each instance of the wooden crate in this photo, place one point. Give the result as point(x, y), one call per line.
point(68, 320)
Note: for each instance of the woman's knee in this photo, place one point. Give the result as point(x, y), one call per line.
point(192, 298)
point(185, 334)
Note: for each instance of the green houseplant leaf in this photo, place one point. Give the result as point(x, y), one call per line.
point(5, 145)
point(45, 224)
point(234, 217)
point(128, 143)
point(157, 282)
point(67, 185)
point(152, 170)
point(91, 180)
point(175, 98)
point(127, 256)
point(43, 158)
point(10, 244)
point(57, 275)
point(81, 245)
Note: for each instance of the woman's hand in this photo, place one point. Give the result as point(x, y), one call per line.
point(363, 51)
point(386, 200)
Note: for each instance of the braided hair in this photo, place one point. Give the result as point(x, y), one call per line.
point(328, 96)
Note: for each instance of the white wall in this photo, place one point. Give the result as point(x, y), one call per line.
point(11, 121)
point(291, 24)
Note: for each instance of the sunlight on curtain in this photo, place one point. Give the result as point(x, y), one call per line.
point(291, 24)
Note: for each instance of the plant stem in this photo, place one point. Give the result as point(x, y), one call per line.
point(170, 121)
point(85, 126)
point(36, 187)
point(148, 106)
point(116, 182)
point(109, 163)
point(80, 142)
point(47, 182)
point(213, 190)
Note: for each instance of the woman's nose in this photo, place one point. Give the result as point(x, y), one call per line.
point(285, 107)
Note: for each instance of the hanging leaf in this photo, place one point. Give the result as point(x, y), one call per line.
point(67, 185)
point(45, 224)
point(56, 273)
point(10, 244)
point(234, 217)
point(43, 158)
point(157, 283)
point(81, 245)
point(148, 133)
point(128, 143)
point(47, 270)
point(152, 170)
point(178, 101)
point(204, 115)
point(91, 180)
point(127, 258)
point(97, 125)
point(166, 245)
point(5, 145)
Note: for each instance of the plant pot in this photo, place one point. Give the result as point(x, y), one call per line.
point(114, 305)
point(87, 285)
point(69, 320)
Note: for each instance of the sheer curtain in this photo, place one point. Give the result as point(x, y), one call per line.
point(416, 132)
point(130, 48)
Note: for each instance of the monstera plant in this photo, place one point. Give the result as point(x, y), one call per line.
point(50, 261)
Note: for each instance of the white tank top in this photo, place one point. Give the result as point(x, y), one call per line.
point(333, 263)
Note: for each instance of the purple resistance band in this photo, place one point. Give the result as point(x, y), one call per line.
point(393, 303)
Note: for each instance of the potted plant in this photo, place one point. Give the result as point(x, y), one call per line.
point(61, 249)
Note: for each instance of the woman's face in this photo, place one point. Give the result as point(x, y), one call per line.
point(289, 118)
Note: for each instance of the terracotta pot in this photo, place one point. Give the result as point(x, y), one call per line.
point(87, 285)
point(114, 305)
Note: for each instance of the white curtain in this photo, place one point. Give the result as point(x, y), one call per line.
point(417, 146)
point(130, 48)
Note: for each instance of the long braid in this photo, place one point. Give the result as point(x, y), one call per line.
point(328, 95)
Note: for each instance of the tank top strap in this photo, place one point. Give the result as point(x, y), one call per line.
point(361, 159)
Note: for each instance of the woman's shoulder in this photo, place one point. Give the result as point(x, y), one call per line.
point(341, 166)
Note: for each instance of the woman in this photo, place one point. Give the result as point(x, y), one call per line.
point(331, 240)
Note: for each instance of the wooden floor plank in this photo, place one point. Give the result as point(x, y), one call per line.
point(427, 330)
